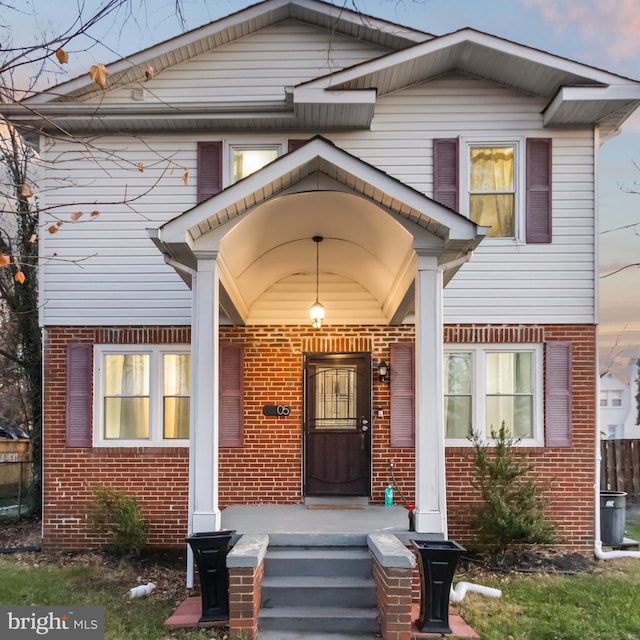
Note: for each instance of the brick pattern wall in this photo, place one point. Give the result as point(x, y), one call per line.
point(159, 477)
point(267, 469)
point(245, 590)
point(569, 473)
point(393, 601)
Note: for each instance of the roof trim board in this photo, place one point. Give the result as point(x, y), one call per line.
point(232, 27)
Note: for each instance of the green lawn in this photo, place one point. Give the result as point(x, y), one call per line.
point(586, 606)
point(632, 530)
point(24, 581)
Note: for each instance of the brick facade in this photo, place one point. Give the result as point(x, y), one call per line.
point(267, 469)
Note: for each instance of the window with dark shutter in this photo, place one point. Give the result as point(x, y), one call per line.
point(445, 172)
point(402, 357)
point(78, 397)
point(231, 404)
point(558, 411)
point(209, 169)
point(538, 176)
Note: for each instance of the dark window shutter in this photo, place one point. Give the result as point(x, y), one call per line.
point(209, 169)
point(538, 173)
point(558, 364)
point(79, 386)
point(445, 172)
point(295, 144)
point(402, 394)
point(231, 406)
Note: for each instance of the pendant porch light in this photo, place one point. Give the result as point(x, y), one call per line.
point(316, 313)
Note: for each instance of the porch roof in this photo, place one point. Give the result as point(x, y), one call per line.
point(374, 226)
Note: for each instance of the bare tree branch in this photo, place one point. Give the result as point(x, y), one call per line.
point(626, 266)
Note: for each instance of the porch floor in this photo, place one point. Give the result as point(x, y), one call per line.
point(351, 522)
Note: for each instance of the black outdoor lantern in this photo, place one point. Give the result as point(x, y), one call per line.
point(383, 371)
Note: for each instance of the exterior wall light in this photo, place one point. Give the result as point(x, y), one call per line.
point(383, 371)
point(316, 313)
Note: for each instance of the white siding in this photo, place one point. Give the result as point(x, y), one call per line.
point(106, 269)
point(258, 67)
point(503, 282)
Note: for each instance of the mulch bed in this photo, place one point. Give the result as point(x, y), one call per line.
point(530, 559)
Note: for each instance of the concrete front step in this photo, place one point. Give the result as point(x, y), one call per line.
point(311, 635)
point(320, 591)
point(318, 561)
point(320, 619)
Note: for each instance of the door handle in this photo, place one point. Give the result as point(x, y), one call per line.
point(364, 424)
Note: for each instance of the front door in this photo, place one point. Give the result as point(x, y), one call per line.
point(337, 425)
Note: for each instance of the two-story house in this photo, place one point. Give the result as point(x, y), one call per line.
point(296, 244)
point(619, 404)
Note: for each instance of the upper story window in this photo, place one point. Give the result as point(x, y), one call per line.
point(246, 159)
point(485, 386)
point(492, 188)
point(502, 184)
point(142, 395)
point(222, 163)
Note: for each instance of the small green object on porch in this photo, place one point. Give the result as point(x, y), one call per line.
point(388, 496)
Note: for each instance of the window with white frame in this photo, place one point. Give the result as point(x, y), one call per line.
point(492, 181)
point(486, 385)
point(142, 394)
point(245, 159)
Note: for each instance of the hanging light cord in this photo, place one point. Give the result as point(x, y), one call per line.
point(317, 240)
point(317, 268)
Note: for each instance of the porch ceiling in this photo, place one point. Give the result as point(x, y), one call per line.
point(373, 227)
point(270, 257)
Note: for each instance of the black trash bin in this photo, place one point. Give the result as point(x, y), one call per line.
point(613, 506)
point(437, 563)
point(210, 550)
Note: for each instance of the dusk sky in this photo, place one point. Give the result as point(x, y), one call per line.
point(603, 33)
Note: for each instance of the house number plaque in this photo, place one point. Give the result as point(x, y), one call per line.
point(276, 410)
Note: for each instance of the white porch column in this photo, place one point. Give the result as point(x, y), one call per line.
point(204, 514)
point(431, 508)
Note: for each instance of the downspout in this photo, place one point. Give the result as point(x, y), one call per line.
point(460, 591)
point(597, 543)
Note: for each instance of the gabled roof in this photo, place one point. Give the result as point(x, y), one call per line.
point(337, 19)
point(374, 224)
point(575, 94)
point(319, 155)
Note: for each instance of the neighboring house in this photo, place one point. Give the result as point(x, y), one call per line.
point(452, 180)
point(619, 406)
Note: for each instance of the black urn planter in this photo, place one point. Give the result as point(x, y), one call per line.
point(437, 563)
point(210, 550)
